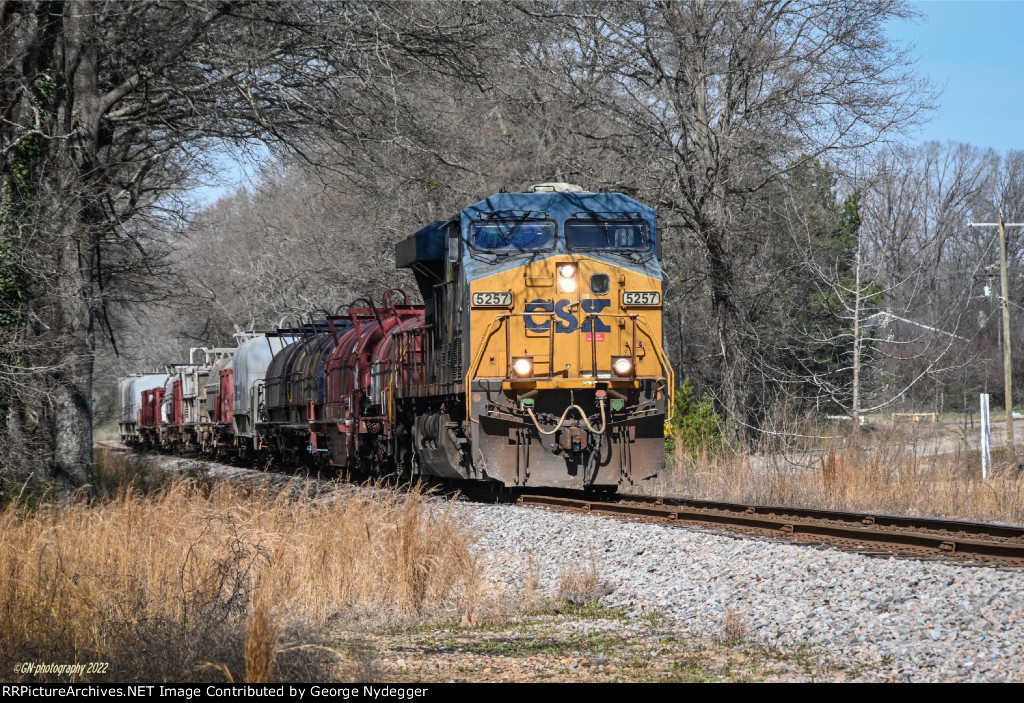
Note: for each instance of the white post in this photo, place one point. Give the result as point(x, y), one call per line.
point(986, 438)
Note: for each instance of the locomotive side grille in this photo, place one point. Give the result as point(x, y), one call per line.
point(456, 354)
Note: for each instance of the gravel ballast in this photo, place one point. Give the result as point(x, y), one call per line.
point(897, 618)
point(883, 618)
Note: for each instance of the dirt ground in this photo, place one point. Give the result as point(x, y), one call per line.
point(584, 644)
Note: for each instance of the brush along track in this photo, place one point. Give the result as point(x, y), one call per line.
point(912, 536)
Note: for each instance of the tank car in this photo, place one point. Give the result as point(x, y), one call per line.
point(294, 390)
point(354, 426)
point(251, 360)
point(132, 389)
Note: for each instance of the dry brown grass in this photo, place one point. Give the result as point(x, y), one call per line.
point(735, 628)
point(213, 581)
point(260, 643)
point(892, 471)
point(579, 585)
point(531, 591)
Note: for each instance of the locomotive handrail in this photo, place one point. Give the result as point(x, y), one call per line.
point(398, 353)
point(665, 365)
point(561, 420)
point(417, 356)
point(396, 363)
point(470, 372)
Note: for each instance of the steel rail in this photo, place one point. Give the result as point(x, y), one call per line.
point(865, 532)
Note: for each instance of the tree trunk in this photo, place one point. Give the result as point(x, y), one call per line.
point(857, 306)
point(72, 408)
point(73, 346)
point(732, 362)
point(75, 305)
point(726, 314)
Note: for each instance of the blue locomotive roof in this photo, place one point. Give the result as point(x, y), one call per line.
point(559, 206)
point(426, 244)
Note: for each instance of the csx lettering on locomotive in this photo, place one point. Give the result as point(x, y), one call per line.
point(567, 320)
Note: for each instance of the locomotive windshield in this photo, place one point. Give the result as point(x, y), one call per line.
point(607, 234)
point(513, 235)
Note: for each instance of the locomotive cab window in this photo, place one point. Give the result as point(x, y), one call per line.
point(607, 234)
point(513, 235)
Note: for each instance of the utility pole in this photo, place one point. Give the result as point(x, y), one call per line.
point(1005, 297)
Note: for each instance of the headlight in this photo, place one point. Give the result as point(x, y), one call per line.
point(523, 367)
point(622, 365)
point(566, 278)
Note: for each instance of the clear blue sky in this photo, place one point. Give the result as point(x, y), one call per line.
point(972, 51)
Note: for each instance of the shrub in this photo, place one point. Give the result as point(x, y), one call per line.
point(695, 427)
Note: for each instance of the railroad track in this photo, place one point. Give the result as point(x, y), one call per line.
point(870, 533)
point(863, 532)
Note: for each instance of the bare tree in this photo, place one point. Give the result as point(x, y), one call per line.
point(703, 103)
point(110, 107)
point(860, 350)
point(886, 276)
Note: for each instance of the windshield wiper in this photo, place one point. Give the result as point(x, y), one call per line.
point(639, 258)
point(507, 237)
point(492, 256)
point(489, 257)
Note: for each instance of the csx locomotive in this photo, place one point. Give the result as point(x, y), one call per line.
point(535, 360)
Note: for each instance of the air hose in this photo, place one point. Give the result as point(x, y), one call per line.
point(561, 420)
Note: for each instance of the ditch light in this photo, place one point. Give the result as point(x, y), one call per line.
point(523, 366)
